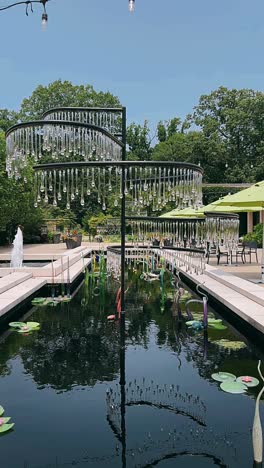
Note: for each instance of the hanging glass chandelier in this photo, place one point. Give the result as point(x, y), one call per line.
point(78, 151)
point(216, 229)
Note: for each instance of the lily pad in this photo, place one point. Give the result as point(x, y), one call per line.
point(232, 345)
point(5, 420)
point(248, 381)
point(217, 326)
point(185, 297)
point(223, 377)
point(33, 324)
point(6, 427)
point(233, 387)
point(17, 324)
point(1, 410)
point(38, 300)
point(214, 321)
point(52, 303)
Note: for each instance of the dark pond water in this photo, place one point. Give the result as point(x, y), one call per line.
point(60, 385)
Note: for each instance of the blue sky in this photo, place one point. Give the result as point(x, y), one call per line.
point(158, 60)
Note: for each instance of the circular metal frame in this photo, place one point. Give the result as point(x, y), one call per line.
point(66, 123)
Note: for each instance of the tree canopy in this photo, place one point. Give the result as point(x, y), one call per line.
point(64, 94)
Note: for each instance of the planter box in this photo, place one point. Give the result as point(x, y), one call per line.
point(72, 243)
point(167, 243)
point(156, 243)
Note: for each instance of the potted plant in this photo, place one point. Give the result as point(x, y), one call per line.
point(73, 239)
point(167, 242)
point(155, 242)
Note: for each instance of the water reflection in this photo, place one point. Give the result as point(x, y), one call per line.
point(167, 405)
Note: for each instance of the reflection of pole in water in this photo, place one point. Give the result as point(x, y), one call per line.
point(205, 349)
point(123, 396)
point(257, 428)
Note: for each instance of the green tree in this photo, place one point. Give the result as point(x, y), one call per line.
point(195, 148)
point(236, 118)
point(64, 93)
point(165, 129)
point(7, 119)
point(17, 202)
point(139, 142)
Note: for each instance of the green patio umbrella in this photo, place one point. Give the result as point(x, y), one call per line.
point(185, 213)
point(218, 208)
point(250, 199)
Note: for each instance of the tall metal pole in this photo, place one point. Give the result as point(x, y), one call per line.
point(123, 220)
point(122, 298)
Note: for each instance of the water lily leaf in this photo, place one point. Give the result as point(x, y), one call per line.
point(217, 326)
point(6, 427)
point(185, 297)
point(223, 376)
point(25, 331)
point(213, 320)
point(1, 410)
point(244, 379)
point(233, 387)
point(232, 345)
point(38, 300)
point(6, 420)
point(17, 324)
point(33, 324)
point(52, 303)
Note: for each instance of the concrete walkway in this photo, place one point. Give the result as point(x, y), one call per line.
point(62, 266)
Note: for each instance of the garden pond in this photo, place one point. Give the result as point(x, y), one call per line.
point(60, 385)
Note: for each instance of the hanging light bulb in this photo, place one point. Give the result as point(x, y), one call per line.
point(131, 5)
point(44, 21)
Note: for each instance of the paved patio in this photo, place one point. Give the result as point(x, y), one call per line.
point(247, 271)
point(47, 251)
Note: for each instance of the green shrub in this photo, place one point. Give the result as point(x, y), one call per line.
point(256, 235)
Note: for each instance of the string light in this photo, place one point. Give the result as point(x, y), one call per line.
point(131, 5)
point(44, 19)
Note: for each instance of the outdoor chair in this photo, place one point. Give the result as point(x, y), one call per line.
point(249, 248)
point(211, 251)
point(222, 252)
point(238, 252)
